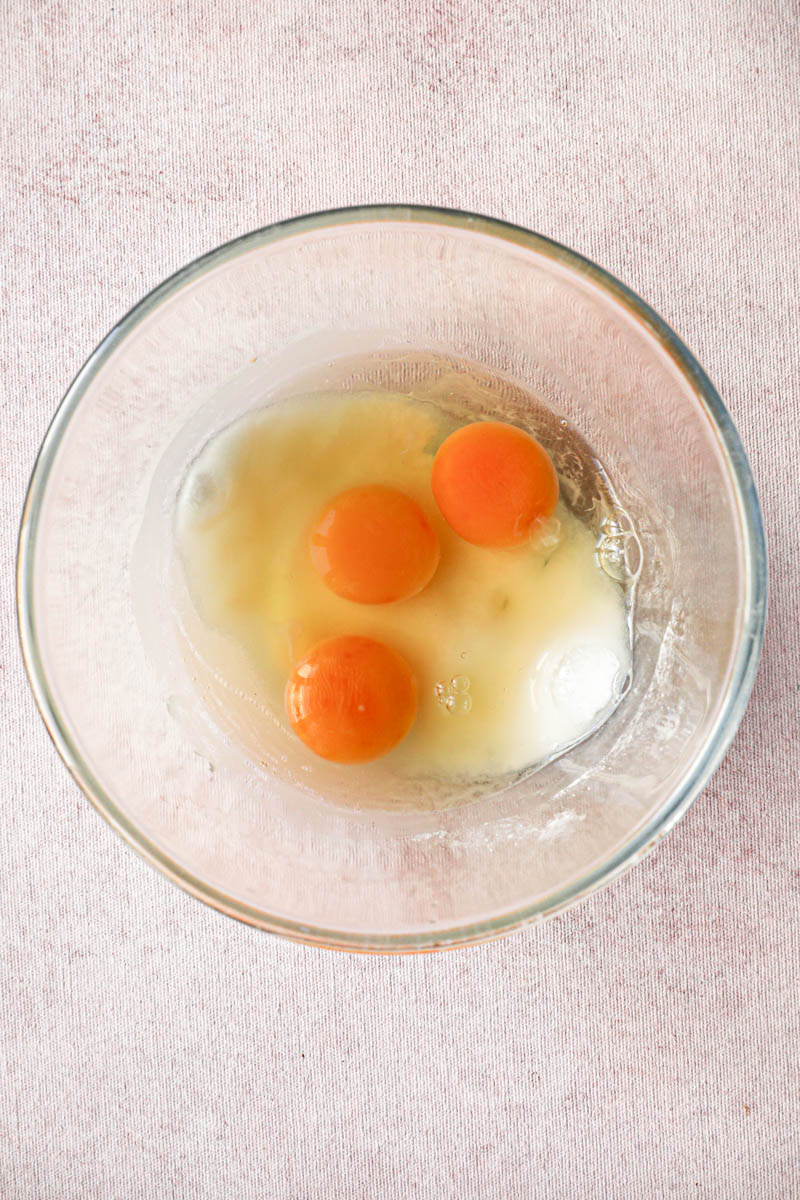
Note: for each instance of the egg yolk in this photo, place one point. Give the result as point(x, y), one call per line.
point(491, 481)
point(374, 545)
point(351, 699)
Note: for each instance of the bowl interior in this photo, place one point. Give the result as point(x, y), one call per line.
point(341, 299)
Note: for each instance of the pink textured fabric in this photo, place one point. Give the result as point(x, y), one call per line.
point(642, 1045)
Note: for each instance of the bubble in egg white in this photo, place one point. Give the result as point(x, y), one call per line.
point(545, 535)
point(454, 696)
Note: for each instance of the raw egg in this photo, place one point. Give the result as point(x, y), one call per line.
point(301, 565)
point(492, 481)
point(374, 544)
point(351, 699)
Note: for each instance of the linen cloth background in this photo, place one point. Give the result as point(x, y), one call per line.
point(643, 1045)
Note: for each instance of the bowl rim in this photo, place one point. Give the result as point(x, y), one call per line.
point(741, 677)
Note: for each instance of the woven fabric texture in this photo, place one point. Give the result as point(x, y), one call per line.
point(642, 1045)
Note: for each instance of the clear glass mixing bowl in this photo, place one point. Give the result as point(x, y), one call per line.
point(301, 295)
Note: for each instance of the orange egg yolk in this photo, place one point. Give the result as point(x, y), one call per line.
point(351, 699)
point(492, 481)
point(374, 545)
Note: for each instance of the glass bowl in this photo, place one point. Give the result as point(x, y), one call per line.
point(236, 327)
